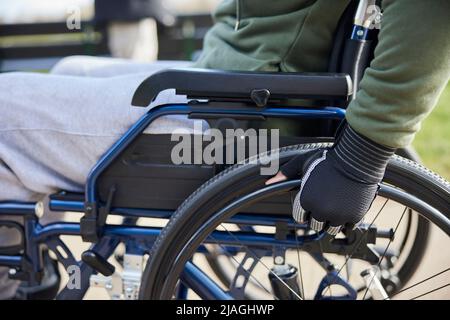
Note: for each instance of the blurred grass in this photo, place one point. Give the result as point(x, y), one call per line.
point(433, 141)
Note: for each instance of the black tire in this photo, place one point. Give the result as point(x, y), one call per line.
point(243, 178)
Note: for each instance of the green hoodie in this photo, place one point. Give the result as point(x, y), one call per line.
point(402, 84)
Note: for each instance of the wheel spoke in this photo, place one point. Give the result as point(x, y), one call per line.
point(266, 267)
point(431, 291)
point(329, 284)
point(385, 251)
point(237, 262)
point(302, 289)
point(420, 282)
point(348, 268)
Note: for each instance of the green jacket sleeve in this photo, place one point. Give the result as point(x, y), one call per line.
point(410, 69)
point(287, 36)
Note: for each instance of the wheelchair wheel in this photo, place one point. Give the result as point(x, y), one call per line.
point(387, 246)
point(225, 267)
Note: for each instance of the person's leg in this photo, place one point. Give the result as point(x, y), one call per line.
point(54, 128)
point(100, 67)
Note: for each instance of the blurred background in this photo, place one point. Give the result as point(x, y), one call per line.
point(34, 35)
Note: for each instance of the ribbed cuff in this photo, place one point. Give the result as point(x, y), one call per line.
point(361, 156)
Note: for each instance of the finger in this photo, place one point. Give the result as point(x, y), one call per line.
point(298, 213)
point(316, 225)
point(277, 178)
point(295, 167)
point(333, 230)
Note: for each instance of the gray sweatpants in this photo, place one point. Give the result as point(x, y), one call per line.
point(54, 127)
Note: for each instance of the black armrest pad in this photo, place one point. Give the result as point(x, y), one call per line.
point(214, 84)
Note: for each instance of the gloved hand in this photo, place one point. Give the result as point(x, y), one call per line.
point(339, 184)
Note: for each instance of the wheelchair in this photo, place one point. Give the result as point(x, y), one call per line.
point(215, 231)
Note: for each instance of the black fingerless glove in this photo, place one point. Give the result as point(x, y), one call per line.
point(339, 184)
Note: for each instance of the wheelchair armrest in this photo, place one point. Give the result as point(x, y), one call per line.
point(257, 87)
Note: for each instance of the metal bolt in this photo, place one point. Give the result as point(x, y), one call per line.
point(279, 260)
point(378, 18)
point(39, 209)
